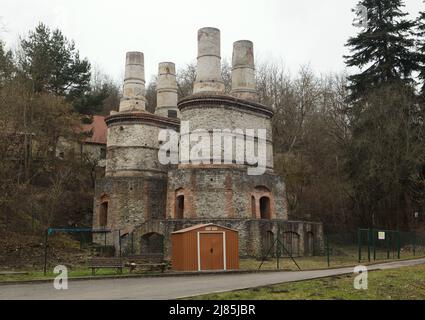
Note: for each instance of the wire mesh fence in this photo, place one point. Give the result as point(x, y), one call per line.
point(370, 245)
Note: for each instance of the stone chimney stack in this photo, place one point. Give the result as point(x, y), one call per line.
point(243, 71)
point(166, 91)
point(208, 78)
point(134, 84)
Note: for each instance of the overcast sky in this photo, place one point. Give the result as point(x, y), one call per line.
point(292, 31)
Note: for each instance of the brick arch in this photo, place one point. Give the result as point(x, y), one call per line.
point(262, 188)
point(262, 203)
point(180, 199)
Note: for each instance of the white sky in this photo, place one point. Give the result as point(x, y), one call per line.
point(295, 32)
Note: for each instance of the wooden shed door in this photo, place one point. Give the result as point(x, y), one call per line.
point(211, 251)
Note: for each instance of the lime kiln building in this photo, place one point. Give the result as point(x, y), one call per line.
point(143, 201)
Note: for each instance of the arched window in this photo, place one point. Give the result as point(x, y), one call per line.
point(103, 214)
point(265, 208)
point(179, 214)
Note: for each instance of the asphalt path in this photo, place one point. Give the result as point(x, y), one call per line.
point(165, 288)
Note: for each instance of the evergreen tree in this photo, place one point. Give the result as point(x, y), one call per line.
point(385, 156)
point(53, 65)
point(384, 50)
point(6, 64)
point(421, 49)
point(385, 151)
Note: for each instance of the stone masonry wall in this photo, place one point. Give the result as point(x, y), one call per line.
point(210, 118)
point(133, 148)
point(131, 202)
point(252, 234)
point(222, 192)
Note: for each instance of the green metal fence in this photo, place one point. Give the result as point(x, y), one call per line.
point(370, 245)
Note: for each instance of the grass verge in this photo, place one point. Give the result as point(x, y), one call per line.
point(397, 284)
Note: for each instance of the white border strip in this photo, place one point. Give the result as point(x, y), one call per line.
point(224, 248)
point(199, 251)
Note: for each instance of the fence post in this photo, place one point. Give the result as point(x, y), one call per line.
point(374, 244)
point(278, 248)
point(388, 245)
point(119, 242)
point(398, 245)
point(46, 235)
point(359, 241)
point(368, 245)
point(414, 244)
point(328, 251)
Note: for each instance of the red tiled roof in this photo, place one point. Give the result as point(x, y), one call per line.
point(98, 128)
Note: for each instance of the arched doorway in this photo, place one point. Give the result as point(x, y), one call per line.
point(179, 210)
point(291, 241)
point(310, 249)
point(152, 244)
point(103, 215)
point(267, 244)
point(265, 208)
point(262, 203)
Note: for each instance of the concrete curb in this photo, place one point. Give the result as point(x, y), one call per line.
point(138, 276)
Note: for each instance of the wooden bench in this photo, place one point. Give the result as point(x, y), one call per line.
point(151, 262)
point(105, 263)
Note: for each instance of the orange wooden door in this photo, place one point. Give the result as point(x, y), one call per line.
point(211, 251)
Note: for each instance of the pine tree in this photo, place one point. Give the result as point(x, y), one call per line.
point(6, 63)
point(384, 50)
point(386, 127)
point(421, 49)
point(53, 65)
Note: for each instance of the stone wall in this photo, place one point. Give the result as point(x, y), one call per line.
point(253, 241)
point(133, 148)
point(223, 192)
point(219, 113)
point(131, 202)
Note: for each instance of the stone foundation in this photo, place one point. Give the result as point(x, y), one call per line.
point(256, 237)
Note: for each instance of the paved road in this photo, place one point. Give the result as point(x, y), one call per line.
point(171, 287)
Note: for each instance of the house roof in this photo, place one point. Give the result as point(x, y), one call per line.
point(200, 226)
point(99, 129)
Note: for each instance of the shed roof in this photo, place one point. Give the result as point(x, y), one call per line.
point(199, 226)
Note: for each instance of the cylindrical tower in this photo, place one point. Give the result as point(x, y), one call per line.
point(223, 188)
point(134, 84)
point(134, 188)
point(208, 77)
point(167, 91)
point(243, 71)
